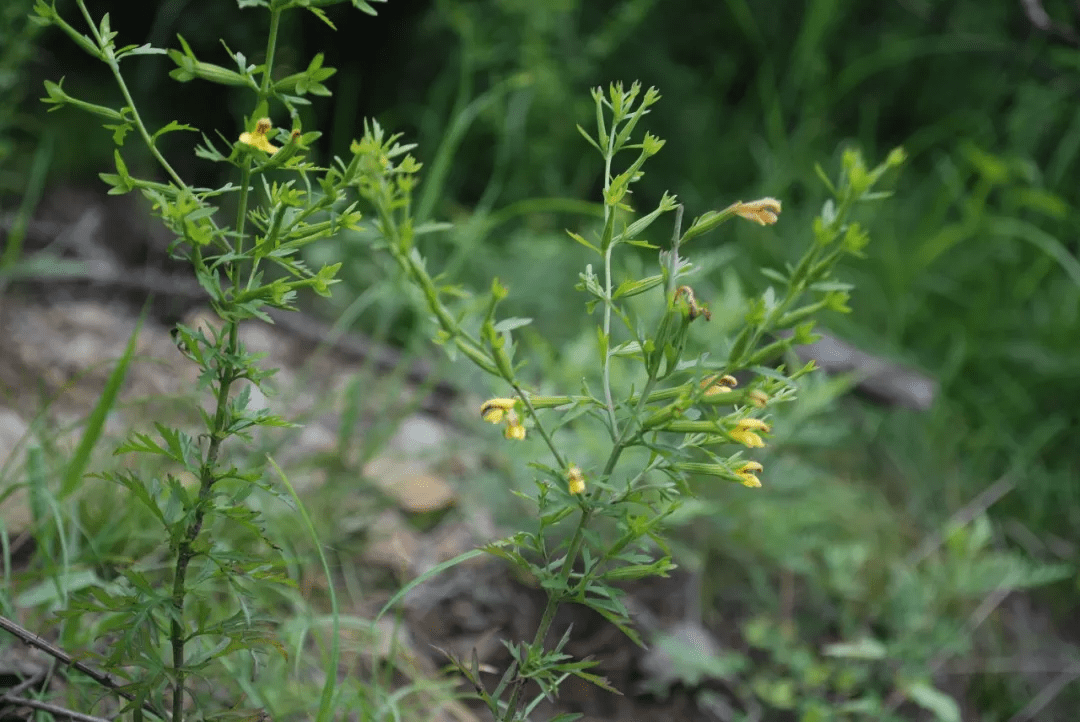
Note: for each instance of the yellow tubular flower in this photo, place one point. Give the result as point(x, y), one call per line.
point(747, 438)
point(714, 385)
point(258, 138)
point(747, 472)
point(493, 410)
point(576, 479)
point(744, 432)
point(759, 398)
point(763, 211)
point(750, 424)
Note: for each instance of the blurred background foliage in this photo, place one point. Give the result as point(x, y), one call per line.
point(971, 274)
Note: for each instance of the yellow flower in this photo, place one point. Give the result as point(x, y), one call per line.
point(722, 385)
point(514, 428)
point(763, 210)
point(759, 398)
point(493, 410)
point(576, 479)
point(747, 438)
point(747, 472)
point(258, 138)
point(744, 432)
point(754, 424)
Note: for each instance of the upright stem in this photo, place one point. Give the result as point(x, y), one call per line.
point(186, 549)
point(271, 50)
point(226, 374)
point(553, 601)
point(609, 212)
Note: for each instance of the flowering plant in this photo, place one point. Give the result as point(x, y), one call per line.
point(683, 407)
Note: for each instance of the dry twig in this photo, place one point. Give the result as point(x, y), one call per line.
point(105, 680)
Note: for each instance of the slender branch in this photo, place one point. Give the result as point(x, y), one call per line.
point(271, 51)
point(539, 425)
point(105, 680)
point(114, 65)
point(50, 708)
point(609, 213)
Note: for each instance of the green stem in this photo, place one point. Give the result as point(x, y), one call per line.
point(609, 224)
point(271, 50)
point(114, 65)
point(612, 421)
point(227, 373)
point(186, 549)
point(552, 606)
point(539, 425)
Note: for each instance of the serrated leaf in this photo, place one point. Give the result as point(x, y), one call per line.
point(169, 128)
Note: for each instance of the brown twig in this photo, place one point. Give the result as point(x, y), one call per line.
point(50, 708)
point(105, 680)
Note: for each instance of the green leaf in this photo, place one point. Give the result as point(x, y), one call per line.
point(120, 181)
point(145, 49)
point(509, 324)
point(626, 348)
point(941, 705)
point(773, 275)
point(588, 137)
point(1048, 244)
point(583, 242)
point(364, 7)
point(326, 699)
point(120, 131)
point(633, 288)
point(172, 126)
point(825, 178)
point(865, 648)
point(57, 98)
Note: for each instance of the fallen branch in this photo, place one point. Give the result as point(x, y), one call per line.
point(105, 680)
